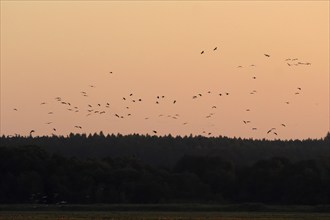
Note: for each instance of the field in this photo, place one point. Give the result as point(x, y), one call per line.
point(49, 215)
point(162, 212)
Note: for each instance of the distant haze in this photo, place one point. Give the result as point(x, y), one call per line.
point(60, 49)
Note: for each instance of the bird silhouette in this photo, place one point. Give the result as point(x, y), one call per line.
point(283, 125)
point(15, 109)
point(154, 131)
point(267, 55)
point(174, 101)
point(215, 48)
point(202, 52)
point(270, 130)
point(32, 131)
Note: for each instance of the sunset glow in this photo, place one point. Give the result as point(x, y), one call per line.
point(118, 57)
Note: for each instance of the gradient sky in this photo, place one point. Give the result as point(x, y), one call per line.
point(57, 49)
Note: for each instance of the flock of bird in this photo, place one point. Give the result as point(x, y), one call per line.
point(106, 108)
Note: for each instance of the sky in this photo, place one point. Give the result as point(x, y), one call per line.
point(67, 49)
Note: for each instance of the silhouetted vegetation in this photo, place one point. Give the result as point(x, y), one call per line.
point(150, 169)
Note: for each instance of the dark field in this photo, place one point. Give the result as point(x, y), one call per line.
point(164, 211)
point(161, 215)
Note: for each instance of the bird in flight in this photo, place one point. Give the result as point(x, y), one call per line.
point(32, 131)
point(43, 103)
point(267, 55)
point(154, 131)
point(54, 129)
point(270, 130)
point(15, 109)
point(283, 125)
point(174, 101)
point(215, 48)
point(202, 52)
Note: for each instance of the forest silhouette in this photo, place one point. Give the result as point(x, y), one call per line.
point(135, 168)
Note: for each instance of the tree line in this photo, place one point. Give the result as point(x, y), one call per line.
point(39, 174)
point(165, 151)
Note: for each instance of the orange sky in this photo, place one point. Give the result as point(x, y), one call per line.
point(57, 49)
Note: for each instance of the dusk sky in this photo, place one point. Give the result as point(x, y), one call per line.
point(60, 49)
